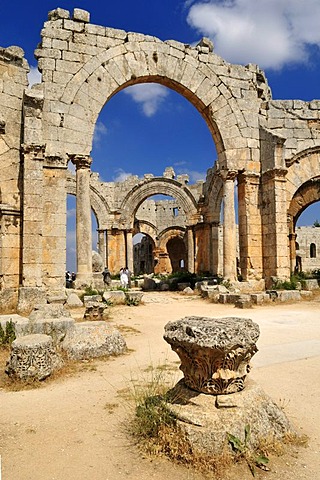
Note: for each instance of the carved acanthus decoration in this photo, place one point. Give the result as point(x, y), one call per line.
point(81, 161)
point(215, 353)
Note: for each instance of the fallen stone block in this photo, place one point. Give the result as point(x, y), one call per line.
point(312, 284)
point(88, 299)
point(289, 295)
point(73, 301)
point(49, 311)
point(135, 297)
point(93, 339)
point(188, 291)
point(96, 311)
point(181, 286)
point(21, 324)
point(116, 297)
point(259, 298)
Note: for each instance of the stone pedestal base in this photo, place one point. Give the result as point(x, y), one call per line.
point(83, 280)
point(206, 420)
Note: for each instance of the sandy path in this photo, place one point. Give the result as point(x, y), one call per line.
point(73, 429)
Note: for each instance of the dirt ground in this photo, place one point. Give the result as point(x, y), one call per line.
point(73, 428)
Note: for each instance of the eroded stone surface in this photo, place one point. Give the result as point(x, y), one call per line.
point(93, 339)
point(215, 353)
point(33, 357)
point(207, 420)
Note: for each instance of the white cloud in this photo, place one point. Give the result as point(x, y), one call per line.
point(71, 213)
point(100, 130)
point(271, 33)
point(194, 176)
point(120, 175)
point(148, 95)
point(34, 76)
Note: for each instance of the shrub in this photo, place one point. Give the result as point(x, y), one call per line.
point(8, 334)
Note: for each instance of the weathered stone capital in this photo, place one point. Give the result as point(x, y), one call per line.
point(275, 174)
point(228, 175)
point(251, 178)
point(33, 150)
point(81, 161)
point(215, 353)
point(55, 161)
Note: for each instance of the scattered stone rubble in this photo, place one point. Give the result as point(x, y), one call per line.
point(49, 331)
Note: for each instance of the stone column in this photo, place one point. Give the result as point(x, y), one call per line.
point(102, 247)
point(202, 247)
point(190, 250)
point(292, 243)
point(83, 219)
point(276, 261)
point(54, 223)
point(250, 226)
point(214, 248)
point(129, 248)
point(116, 250)
point(32, 216)
point(229, 227)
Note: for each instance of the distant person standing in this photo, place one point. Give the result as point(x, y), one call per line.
point(127, 271)
point(106, 277)
point(124, 278)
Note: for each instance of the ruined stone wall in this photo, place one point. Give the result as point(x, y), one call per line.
point(296, 122)
point(305, 237)
point(271, 148)
point(162, 213)
point(13, 81)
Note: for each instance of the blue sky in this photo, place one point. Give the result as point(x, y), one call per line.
point(146, 128)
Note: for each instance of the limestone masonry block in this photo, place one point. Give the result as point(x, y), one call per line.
point(81, 15)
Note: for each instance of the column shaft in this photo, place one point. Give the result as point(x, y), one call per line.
point(229, 229)
point(129, 250)
point(83, 220)
point(190, 250)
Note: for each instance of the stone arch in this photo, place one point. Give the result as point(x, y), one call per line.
point(146, 228)
point(158, 186)
point(213, 197)
point(168, 235)
point(307, 194)
point(126, 59)
point(303, 189)
point(303, 167)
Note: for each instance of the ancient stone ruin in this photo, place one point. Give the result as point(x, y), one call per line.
point(215, 353)
point(268, 148)
point(214, 398)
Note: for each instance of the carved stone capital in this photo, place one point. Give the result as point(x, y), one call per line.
point(274, 174)
point(215, 353)
point(81, 161)
point(55, 161)
point(249, 178)
point(37, 151)
point(228, 175)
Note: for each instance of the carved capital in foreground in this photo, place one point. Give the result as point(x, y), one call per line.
point(215, 353)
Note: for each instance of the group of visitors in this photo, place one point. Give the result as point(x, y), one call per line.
point(70, 278)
